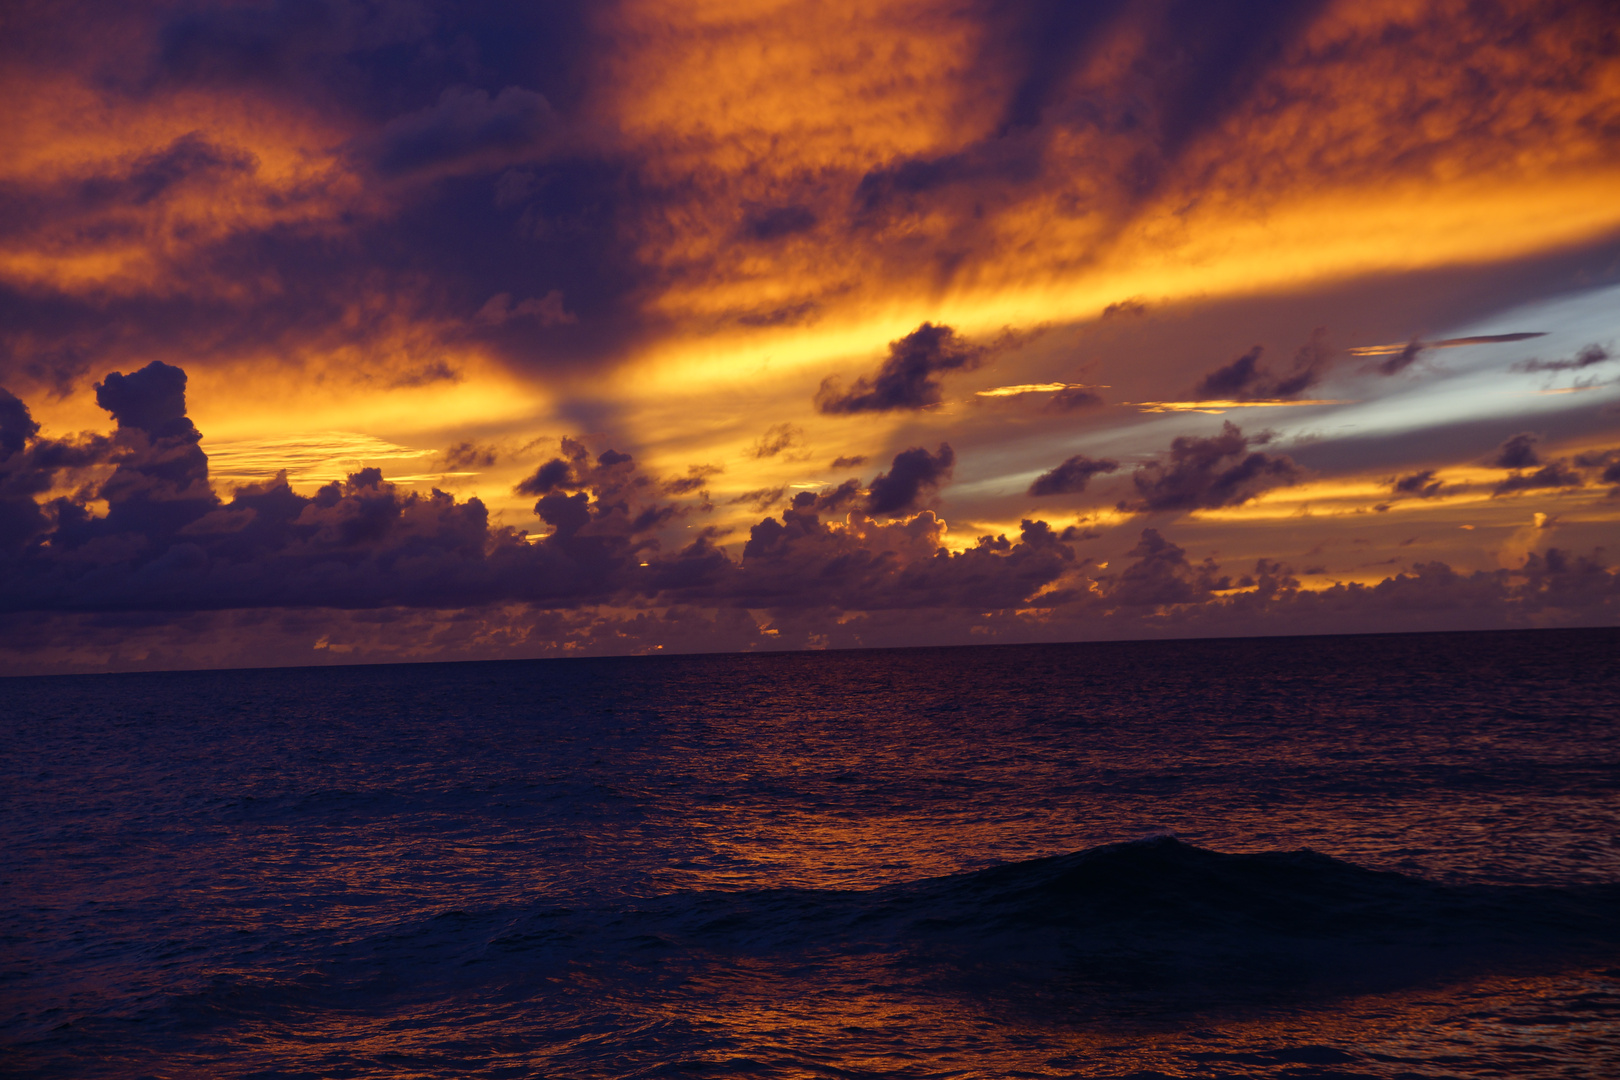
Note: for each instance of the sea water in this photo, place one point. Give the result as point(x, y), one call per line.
point(1390, 856)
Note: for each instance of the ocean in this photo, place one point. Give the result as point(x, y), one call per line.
point(1309, 858)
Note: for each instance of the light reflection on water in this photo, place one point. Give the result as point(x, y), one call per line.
point(556, 868)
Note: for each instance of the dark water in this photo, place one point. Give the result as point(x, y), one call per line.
point(1311, 858)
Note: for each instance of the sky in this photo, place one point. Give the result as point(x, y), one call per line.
point(335, 332)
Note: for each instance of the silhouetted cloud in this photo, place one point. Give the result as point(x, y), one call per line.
point(1400, 361)
point(575, 471)
point(1161, 575)
point(760, 499)
point(777, 438)
point(17, 424)
point(167, 543)
point(171, 554)
point(1245, 380)
point(1606, 460)
point(849, 462)
point(468, 455)
point(1122, 308)
point(1518, 452)
point(835, 499)
point(1422, 484)
point(696, 478)
point(1072, 476)
point(912, 473)
point(907, 378)
point(1218, 471)
point(1555, 474)
point(1073, 399)
point(1404, 356)
point(1590, 356)
point(801, 562)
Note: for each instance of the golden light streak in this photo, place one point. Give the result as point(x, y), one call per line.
point(312, 457)
point(1463, 487)
point(1222, 253)
point(1037, 388)
point(250, 402)
point(1215, 408)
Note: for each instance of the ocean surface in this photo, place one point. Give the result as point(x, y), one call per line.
point(1391, 856)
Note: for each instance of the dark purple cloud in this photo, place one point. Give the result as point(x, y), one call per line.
point(1071, 477)
point(1399, 362)
point(1073, 399)
point(1590, 356)
point(167, 542)
point(1162, 575)
point(1518, 452)
point(777, 438)
point(1556, 474)
point(913, 473)
point(1245, 380)
point(575, 471)
point(17, 424)
point(1222, 470)
point(907, 379)
point(1421, 484)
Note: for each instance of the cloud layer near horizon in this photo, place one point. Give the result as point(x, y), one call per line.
point(168, 551)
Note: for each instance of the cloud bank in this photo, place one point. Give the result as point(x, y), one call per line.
point(102, 530)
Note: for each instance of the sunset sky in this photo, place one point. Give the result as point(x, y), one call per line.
point(553, 328)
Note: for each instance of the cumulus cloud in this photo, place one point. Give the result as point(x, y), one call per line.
point(1529, 471)
point(1608, 461)
point(1162, 575)
point(470, 455)
point(17, 424)
point(1222, 470)
point(1421, 484)
point(1073, 399)
point(169, 552)
point(575, 471)
point(1556, 474)
point(1245, 380)
point(802, 561)
point(1518, 452)
point(907, 379)
point(998, 591)
point(1071, 477)
point(167, 542)
point(913, 473)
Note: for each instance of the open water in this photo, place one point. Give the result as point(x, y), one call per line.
point(1317, 858)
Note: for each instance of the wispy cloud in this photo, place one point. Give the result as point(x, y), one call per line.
point(310, 457)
